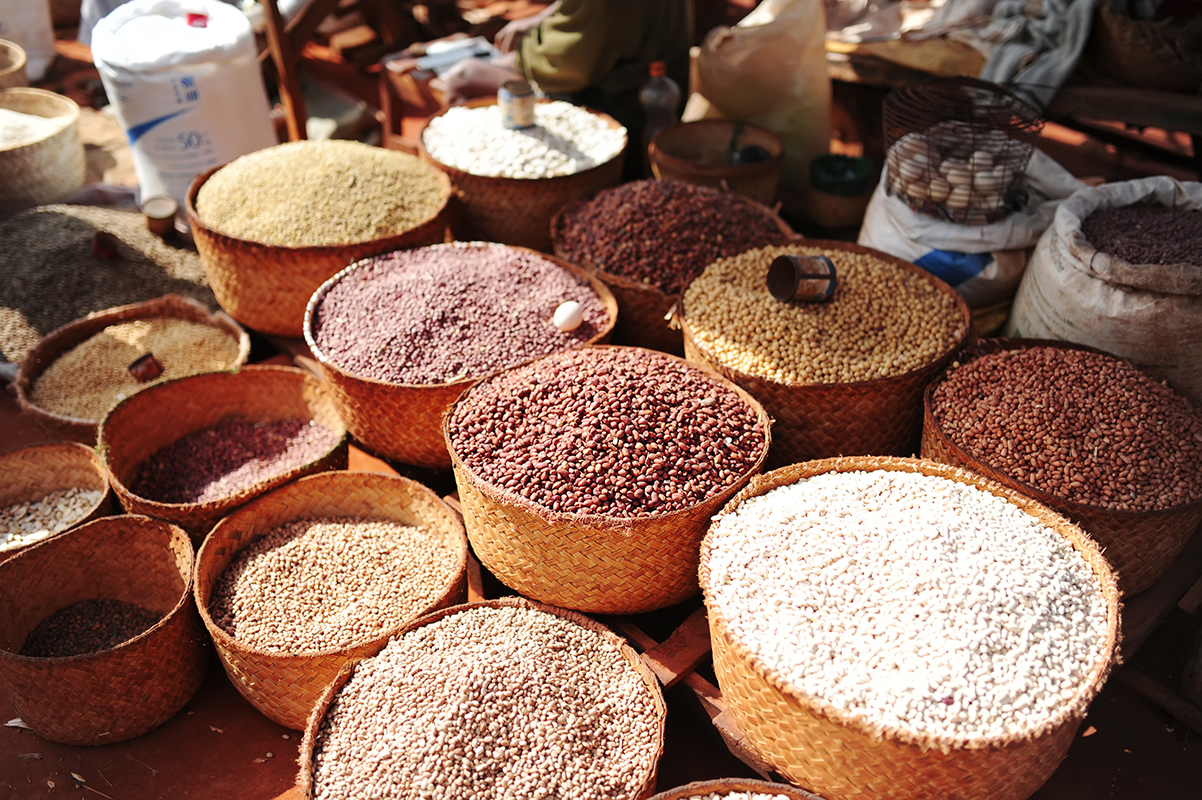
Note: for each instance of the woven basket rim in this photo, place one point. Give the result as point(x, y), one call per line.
point(1106, 584)
point(603, 293)
point(757, 169)
point(720, 785)
point(69, 107)
point(983, 347)
point(609, 521)
point(69, 450)
point(224, 640)
point(19, 57)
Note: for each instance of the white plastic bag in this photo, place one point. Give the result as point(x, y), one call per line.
point(28, 23)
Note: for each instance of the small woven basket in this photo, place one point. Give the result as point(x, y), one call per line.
point(725, 786)
point(48, 169)
point(12, 65)
point(403, 422)
point(285, 686)
point(304, 781)
point(593, 563)
point(59, 342)
point(28, 474)
point(1140, 545)
point(266, 287)
point(1163, 54)
point(822, 747)
point(699, 152)
point(116, 694)
point(519, 210)
point(147, 421)
point(821, 420)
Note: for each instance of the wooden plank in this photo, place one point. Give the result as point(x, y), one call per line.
point(682, 652)
point(1144, 108)
point(740, 748)
point(1149, 689)
point(1144, 612)
point(1192, 600)
point(283, 55)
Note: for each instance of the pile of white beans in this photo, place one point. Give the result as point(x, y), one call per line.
point(26, 523)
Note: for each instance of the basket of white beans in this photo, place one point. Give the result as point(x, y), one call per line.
point(896, 628)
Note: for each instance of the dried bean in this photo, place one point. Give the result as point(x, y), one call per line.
point(26, 523)
point(1143, 234)
point(88, 627)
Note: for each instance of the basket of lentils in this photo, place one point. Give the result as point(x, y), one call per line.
point(99, 638)
point(510, 183)
point(319, 573)
point(505, 698)
point(1112, 448)
point(587, 478)
point(735, 789)
point(649, 239)
point(400, 336)
point(898, 628)
point(840, 377)
point(273, 225)
point(193, 449)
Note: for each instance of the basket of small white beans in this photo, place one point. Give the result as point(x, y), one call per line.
point(736, 789)
point(898, 628)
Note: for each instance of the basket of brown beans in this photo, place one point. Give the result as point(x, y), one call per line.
point(649, 239)
point(587, 477)
point(71, 379)
point(1084, 432)
point(319, 573)
point(735, 789)
point(898, 628)
point(193, 449)
point(400, 336)
point(839, 377)
point(504, 698)
point(99, 638)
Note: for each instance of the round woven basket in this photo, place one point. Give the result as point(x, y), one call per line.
point(304, 781)
point(725, 786)
point(48, 169)
point(285, 686)
point(1140, 545)
point(266, 287)
point(403, 422)
point(821, 420)
point(592, 563)
point(12, 65)
point(59, 342)
point(116, 694)
point(1164, 54)
point(519, 210)
point(820, 746)
point(699, 152)
point(146, 422)
point(28, 474)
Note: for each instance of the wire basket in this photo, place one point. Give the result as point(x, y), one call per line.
point(957, 148)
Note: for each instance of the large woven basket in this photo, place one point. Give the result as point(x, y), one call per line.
point(699, 152)
point(266, 287)
point(1164, 54)
point(725, 786)
point(592, 563)
point(305, 758)
point(403, 422)
point(519, 210)
point(59, 342)
point(285, 686)
point(1140, 545)
point(48, 169)
point(114, 694)
point(822, 747)
point(28, 474)
point(149, 420)
point(821, 420)
point(12, 65)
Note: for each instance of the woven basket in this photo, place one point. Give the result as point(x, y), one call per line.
point(59, 342)
point(519, 210)
point(266, 287)
point(285, 686)
point(12, 65)
point(304, 781)
point(724, 786)
point(114, 694)
point(403, 422)
point(592, 563)
point(821, 420)
point(699, 152)
point(820, 746)
point(46, 170)
point(30, 473)
point(1164, 54)
point(1140, 545)
point(145, 422)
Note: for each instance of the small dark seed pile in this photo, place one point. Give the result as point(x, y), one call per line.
point(448, 312)
point(88, 627)
point(663, 233)
point(607, 431)
point(1078, 425)
point(1145, 234)
point(225, 459)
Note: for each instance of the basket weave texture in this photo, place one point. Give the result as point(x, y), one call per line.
point(722, 786)
point(820, 746)
point(1164, 54)
point(1140, 545)
point(115, 694)
point(47, 170)
point(403, 422)
point(285, 686)
point(160, 415)
point(699, 152)
point(59, 342)
point(305, 758)
point(12, 65)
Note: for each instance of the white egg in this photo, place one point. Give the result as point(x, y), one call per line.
point(981, 160)
point(987, 182)
point(918, 190)
point(951, 164)
point(912, 170)
point(940, 189)
point(959, 176)
point(568, 316)
point(959, 197)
